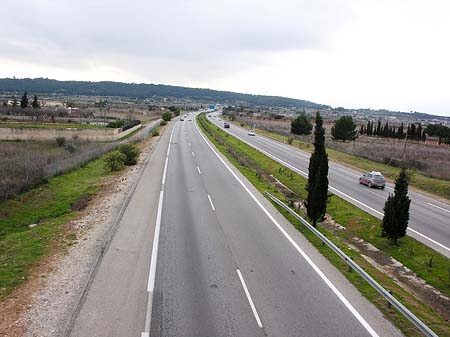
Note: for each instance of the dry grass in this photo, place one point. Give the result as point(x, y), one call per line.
point(26, 164)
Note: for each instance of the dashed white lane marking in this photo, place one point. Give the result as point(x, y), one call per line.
point(249, 298)
point(341, 297)
point(193, 154)
point(211, 203)
point(198, 169)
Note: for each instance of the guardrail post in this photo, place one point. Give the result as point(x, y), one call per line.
point(389, 303)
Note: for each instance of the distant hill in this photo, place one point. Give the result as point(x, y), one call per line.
point(48, 86)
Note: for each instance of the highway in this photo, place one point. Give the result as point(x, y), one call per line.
point(199, 252)
point(429, 217)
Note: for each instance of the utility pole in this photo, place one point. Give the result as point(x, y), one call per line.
point(404, 144)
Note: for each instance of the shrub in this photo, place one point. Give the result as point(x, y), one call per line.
point(115, 161)
point(166, 116)
point(60, 141)
point(70, 148)
point(290, 140)
point(131, 153)
point(155, 133)
point(163, 123)
point(116, 124)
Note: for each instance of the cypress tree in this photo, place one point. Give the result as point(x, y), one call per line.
point(396, 210)
point(378, 130)
point(419, 132)
point(24, 101)
point(412, 131)
point(317, 186)
point(400, 133)
point(386, 130)
point(35, 103)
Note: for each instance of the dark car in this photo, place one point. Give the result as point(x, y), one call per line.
point(226, 125)
point(372, 179)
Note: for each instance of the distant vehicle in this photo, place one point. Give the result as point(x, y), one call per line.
point(226, 125)
point(209, 116)
point(181, 119)
point(190, 119)
point(215, 116)
point(251, 133)
point(373, 179)
point(185, 116)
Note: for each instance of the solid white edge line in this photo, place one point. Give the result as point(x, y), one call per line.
point(210, 201)
point(338, 192)
point(154, 257)
point(426, 237)
point(438, 207)
point(341, 297)
point(153, 261)
point(249, 298)
point(193, 154)
point(165, 171)
point(198, 169)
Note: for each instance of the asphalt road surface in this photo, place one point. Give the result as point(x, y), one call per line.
point(429, 217)
point(225, 268)
point(199, 252)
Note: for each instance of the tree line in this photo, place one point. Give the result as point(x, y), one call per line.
point(387, 131)
point(143, 90)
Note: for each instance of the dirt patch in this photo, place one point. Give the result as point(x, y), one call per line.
point(41, 306)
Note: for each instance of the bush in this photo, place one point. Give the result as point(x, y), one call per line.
point(166, 116)
point(70, 148)
point(115, 160)
point(116, 124)
point(60, 141)
point(155, 133)
point(290, 140)
point(131, 153)
point(163, 123)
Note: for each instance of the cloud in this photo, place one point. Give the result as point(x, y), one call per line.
point(146, 36)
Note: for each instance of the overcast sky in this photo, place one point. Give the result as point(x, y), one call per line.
point(392, 54)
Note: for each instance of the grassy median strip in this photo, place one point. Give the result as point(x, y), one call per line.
point(30, 222)
point(418, 180)
point(267, 174)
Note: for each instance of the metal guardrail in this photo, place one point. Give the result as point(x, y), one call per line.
point(383, 292)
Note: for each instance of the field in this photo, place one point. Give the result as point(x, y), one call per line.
point(26, 164)
point(41, 125)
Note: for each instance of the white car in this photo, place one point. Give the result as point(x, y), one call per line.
point(251, 133)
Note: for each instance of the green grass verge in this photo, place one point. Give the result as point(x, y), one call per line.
point(359, 224)
point(50, 207)
point(418, 180)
